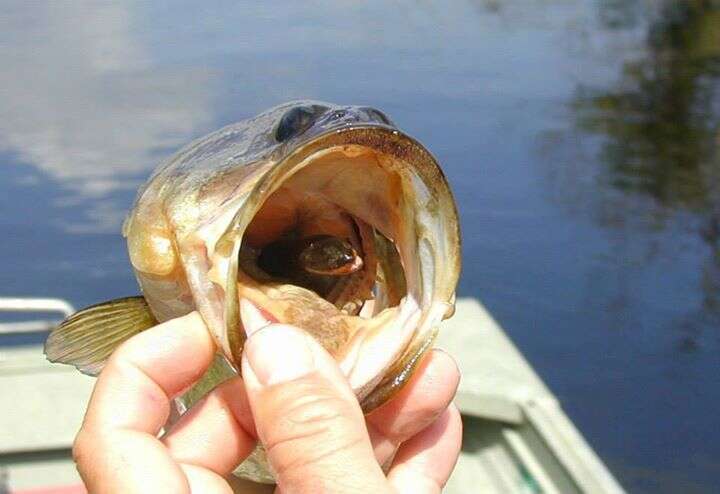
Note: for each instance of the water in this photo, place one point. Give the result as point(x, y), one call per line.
point(581, 139)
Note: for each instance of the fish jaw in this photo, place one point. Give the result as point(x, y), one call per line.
point(416, 211)
point(419, 214)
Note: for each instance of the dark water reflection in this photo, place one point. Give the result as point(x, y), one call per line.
point(580, 137)
point(643, 162)
point(661, 123)
point(661, 130)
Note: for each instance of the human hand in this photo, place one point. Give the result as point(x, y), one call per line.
point(293, 398)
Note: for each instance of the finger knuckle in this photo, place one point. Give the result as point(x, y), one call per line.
point(312, 416)
point(312, 427)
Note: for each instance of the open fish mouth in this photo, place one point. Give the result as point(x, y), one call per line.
point(325, 217)
point(379, 190)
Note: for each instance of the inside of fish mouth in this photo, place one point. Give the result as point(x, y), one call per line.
point(297, 211)
point(281, 260)
point(278, 262)
point(295, 256)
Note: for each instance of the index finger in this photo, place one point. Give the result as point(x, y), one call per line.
point(135, 388)
point(116, 448)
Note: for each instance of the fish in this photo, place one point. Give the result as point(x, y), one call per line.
point(327, 217)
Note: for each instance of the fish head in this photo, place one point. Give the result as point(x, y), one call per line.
point(237, 214)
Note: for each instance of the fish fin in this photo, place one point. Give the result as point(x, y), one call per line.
point(87, 338)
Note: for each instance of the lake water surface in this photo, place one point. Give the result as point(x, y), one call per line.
point(581, 139)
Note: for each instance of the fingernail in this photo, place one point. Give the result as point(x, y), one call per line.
point(279, 354)
point(252, 318)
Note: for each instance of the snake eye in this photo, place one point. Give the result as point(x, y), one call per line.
point(296, 121)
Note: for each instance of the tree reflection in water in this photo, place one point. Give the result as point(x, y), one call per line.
point(660, 132)
point(662, 124)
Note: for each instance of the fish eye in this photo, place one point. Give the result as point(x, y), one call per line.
point(295, 121)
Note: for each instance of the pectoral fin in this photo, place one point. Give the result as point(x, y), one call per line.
point(87, 338)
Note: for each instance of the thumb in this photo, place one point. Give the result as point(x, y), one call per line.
point(306, 415)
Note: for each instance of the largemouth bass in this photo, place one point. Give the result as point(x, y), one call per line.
point(325, 217)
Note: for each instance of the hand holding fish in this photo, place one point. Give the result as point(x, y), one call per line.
point(323, 217)
point(293, 397)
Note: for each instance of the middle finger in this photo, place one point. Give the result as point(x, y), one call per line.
point(417, 405)
point(217, 433)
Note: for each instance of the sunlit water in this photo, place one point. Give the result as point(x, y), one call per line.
point(580, 137)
